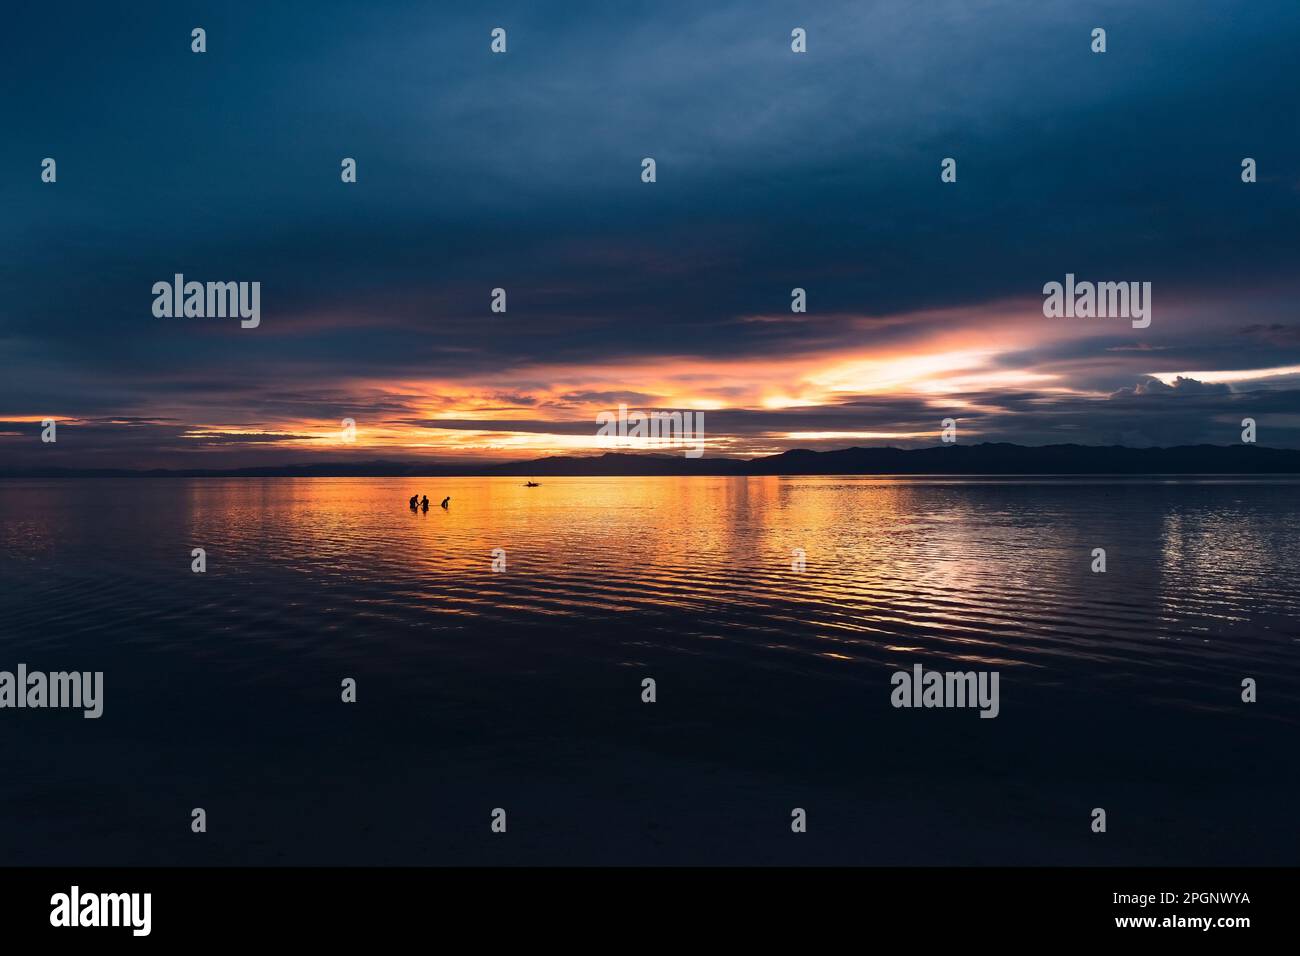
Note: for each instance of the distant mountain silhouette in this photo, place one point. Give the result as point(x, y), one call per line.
point(983, 459)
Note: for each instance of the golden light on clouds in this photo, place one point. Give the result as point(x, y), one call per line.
point(953, 359)
point(1238, 375)
point(897, 373)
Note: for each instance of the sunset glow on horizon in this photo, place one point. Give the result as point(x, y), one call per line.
point(752, 405)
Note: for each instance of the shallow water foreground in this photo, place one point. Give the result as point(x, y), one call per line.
point(522, 688)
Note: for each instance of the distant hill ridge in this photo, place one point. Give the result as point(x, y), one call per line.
point(982, 459)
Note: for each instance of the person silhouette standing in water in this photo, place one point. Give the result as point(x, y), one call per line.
point(445, 500)
point(415, 502)
point(424, 505)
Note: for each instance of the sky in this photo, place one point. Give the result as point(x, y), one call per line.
point(523, 171)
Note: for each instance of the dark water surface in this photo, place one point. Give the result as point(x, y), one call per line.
point(522, 689)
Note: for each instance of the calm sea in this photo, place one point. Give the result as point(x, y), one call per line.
point(521, 688)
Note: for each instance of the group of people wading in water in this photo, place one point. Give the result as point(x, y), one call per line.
point(423, 505)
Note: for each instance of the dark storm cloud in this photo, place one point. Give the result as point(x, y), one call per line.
point(1275, 333)
point(608, 398)
point(522, 171)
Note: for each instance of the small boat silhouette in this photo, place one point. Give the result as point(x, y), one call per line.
point(532, 484)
